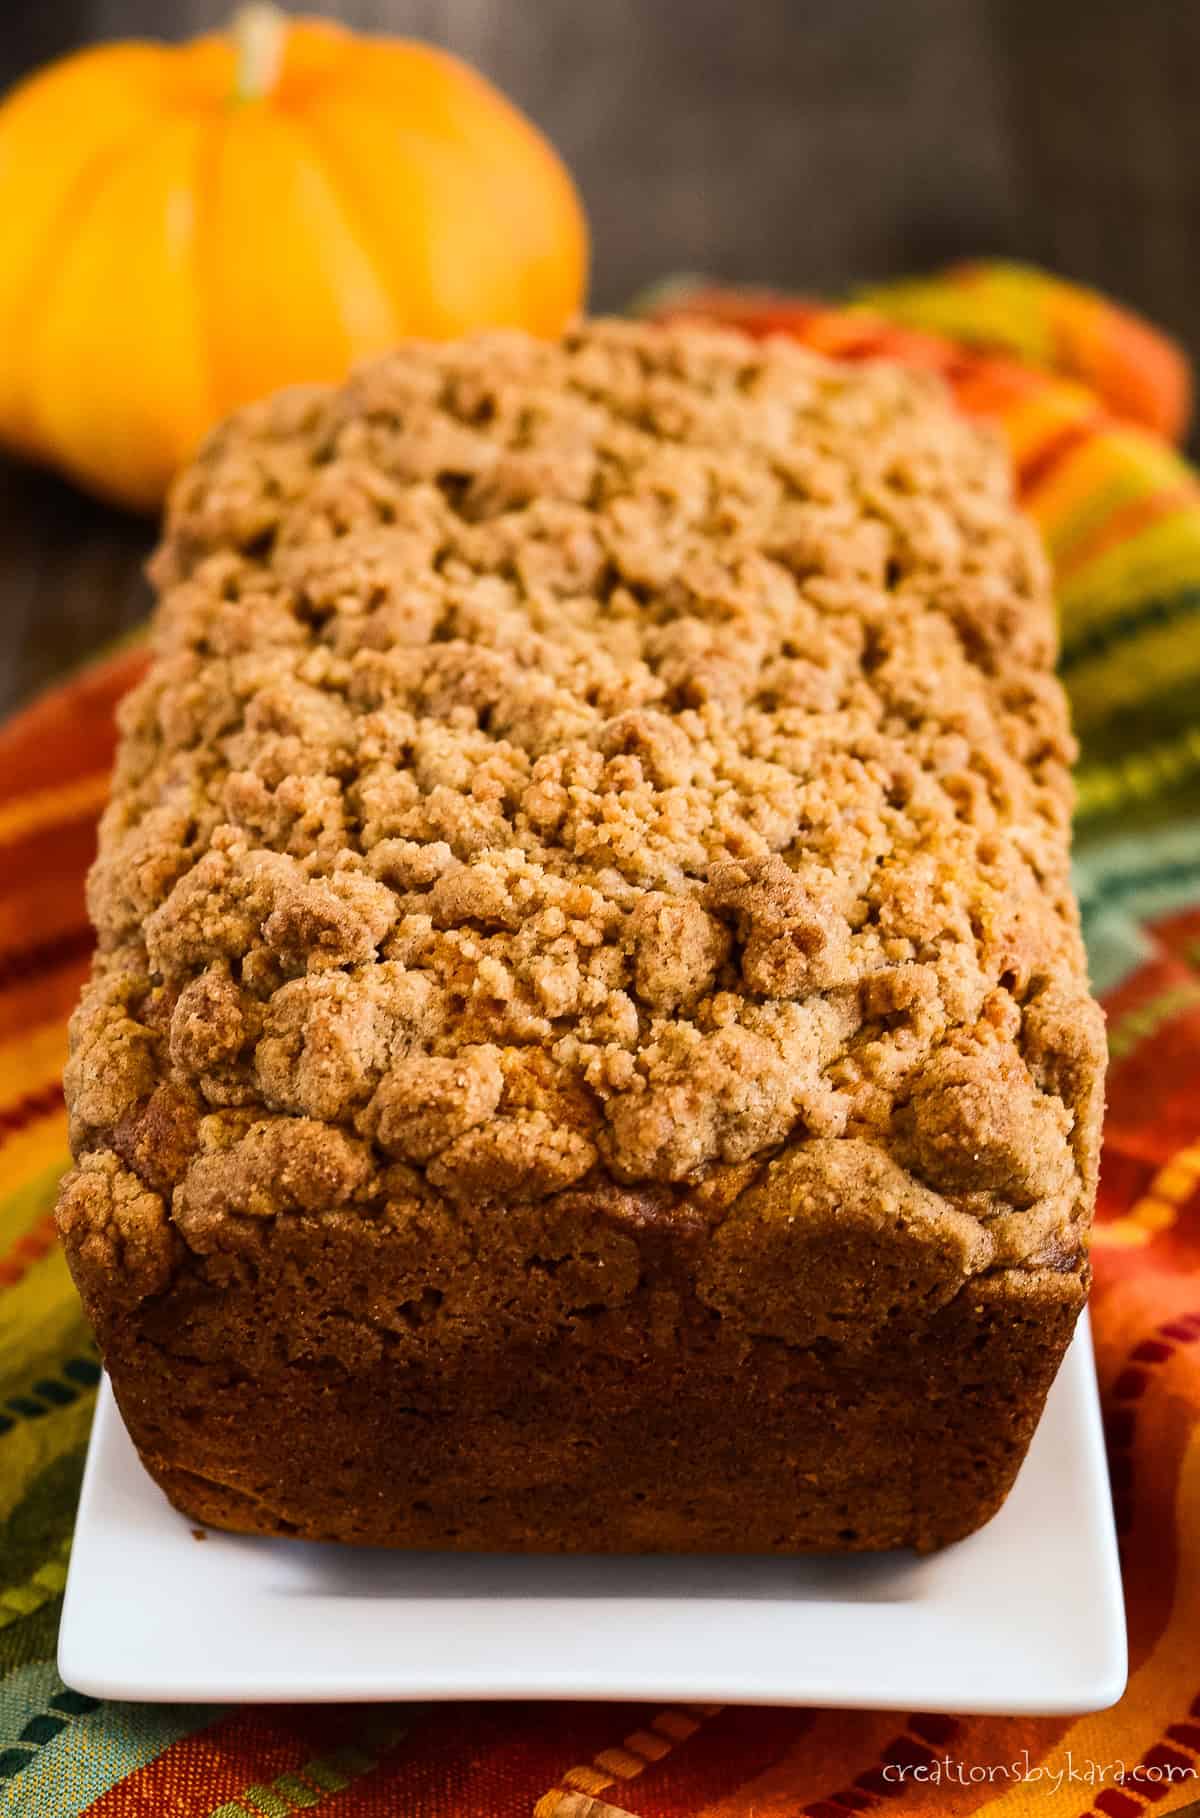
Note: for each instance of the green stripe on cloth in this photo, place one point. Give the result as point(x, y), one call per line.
point(45, 1582)
point(1146, 876)
point(19, 1209)
point(34, 1639)
point(1099, 640)
point(1154, 771)
point(93, 1752)
point(1131, 680)
point(28, 1453)
point(58, 1387)
point(35, 1539)
point(1123, 884)
point(302, 1788)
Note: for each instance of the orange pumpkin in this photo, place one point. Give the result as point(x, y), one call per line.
point(182, 229)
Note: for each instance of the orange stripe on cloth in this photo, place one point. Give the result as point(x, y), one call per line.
point(1039, 426)
point(1137, 369)
point(33, 1133)
point(726, 1755)
point(845, 334)
point(624, 1761)
point(562, 1804)
point(33, 1060)
point(1161, 1687)
point(1125, 523)
point(850, 335)
point(41, 809)
point(1148, 1426)
point(69, 732)
point(1139, 372)
point(845, 1761)
point(1041, 468)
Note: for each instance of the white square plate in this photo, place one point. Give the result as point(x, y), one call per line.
point(1026, 1616)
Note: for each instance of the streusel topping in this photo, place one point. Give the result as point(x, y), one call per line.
point(616, 758)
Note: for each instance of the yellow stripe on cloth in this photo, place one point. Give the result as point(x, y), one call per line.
point(31, 1447)
point(31, 1152)
point(28, 1203)
point(1097, 477)
point(34, 1058)
point(1160, 560)
point(1101, 788)
point(626, 1761)
point(1159, 1207)
point(1160, 659)
point(44, 808)
point(47, 1581)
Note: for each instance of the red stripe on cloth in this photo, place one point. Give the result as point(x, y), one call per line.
point(57, 854)
point(29, 1109)
point(216, 1764)
point(1152, 1086)
point(1036, 469)
point(487, 1760)
point(44, 923)
point(24, 966)
point(31, 1003)
point(1179, 935)
point(728, 1750)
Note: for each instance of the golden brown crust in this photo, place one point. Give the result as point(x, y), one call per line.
point(628, 763)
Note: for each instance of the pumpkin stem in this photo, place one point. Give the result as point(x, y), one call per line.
point(259, 31)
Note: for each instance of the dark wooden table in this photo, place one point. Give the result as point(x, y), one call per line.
point(808, 142)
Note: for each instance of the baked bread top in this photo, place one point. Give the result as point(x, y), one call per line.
point(616, 761)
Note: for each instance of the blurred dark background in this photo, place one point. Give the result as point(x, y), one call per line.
point(802, 142)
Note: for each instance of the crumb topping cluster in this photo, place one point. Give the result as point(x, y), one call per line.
point(613, 760)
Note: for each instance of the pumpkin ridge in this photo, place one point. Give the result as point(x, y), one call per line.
point(30, 308)
point(252, 272)
point(204, 252)
point(338, 159)
point(74, 440)
point(416, 142)
point(352, 215)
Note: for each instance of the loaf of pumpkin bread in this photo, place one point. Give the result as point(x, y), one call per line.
point(589, 1045)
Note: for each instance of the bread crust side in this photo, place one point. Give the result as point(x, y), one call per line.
point(565, 1382)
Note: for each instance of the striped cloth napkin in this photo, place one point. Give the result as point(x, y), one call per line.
point(1089, 398)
